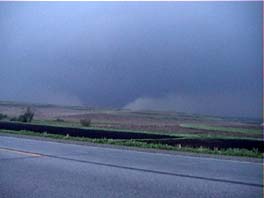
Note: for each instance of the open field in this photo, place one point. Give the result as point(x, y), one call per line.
point(187, 130)
point(219, 128)
point(162, 122)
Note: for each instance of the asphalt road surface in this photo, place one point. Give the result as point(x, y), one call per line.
point(34, 168)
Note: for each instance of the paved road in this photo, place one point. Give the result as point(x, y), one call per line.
point(33, 168)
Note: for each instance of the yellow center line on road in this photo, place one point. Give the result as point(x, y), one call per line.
point(20, 152)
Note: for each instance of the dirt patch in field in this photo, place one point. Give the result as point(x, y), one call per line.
point(78, 132)
point(149, 138)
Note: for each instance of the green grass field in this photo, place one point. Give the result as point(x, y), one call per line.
point(180, 134)
point(175, 134)
point(219, 128)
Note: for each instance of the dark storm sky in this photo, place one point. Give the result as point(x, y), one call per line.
point(200, 57)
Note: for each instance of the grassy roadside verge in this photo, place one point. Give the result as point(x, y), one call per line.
point(139, 144)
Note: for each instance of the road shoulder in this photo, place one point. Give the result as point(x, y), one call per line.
point(246, 159)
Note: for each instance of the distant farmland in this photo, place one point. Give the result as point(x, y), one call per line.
point(172, 129)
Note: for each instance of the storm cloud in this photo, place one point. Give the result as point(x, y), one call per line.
point(198, 57)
